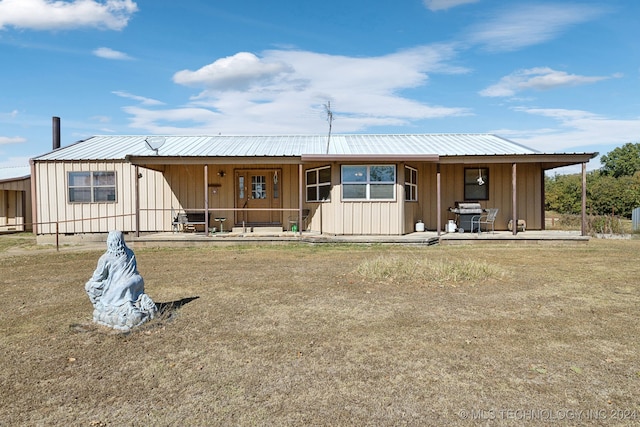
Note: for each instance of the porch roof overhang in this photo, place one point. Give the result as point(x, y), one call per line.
point(312, 158)
point(153, 162)
point(548, 161)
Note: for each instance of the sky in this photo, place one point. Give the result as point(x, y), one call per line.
point(556, 76)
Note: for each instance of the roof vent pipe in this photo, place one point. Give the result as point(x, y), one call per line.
point(56, 133)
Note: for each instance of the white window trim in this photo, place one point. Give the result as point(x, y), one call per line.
point(91, 187)
point(407, 182)
point(368, 184)
point(317, 185)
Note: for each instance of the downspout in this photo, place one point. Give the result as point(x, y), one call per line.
point(403, 202)
point(34, 205)
point(138, 176)
point(438, 200)
point(543, 200)
point(206, 199)
point(583, 227)
point(514, 199)
point(300, 196)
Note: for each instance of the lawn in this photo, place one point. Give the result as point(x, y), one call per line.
point(329, 335)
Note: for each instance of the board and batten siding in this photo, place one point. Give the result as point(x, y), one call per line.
point(54, 207)
point(346, 217)
point(529, 187)
point(185, 188)
point(15, 204)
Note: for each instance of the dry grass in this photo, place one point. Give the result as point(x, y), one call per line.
point(329, 335)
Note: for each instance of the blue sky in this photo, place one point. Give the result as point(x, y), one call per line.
point(557, 76)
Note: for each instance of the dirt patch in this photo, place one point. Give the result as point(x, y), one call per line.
point(330, 335)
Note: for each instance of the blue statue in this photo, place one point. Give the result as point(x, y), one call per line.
point(116, 289)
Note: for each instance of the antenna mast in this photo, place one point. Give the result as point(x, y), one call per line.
point(327, 108)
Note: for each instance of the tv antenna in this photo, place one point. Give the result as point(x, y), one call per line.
point(327, 109)
point(155, 142)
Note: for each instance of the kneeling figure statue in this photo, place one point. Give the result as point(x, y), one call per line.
point(116, 289)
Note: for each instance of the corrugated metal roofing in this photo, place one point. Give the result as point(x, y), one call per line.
point(13, 173)
point(119, 146)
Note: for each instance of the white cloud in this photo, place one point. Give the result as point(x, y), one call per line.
point(57, 15)
point(233, 72)
point(141, 99)
point(178, 121)
point(283, 91)
point(108, 53)
point(577, 128)
point(540, 78)
point(435, 5)
point(11, 140)
point(525, 25)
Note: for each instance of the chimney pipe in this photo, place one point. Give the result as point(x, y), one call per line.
point(56, 133)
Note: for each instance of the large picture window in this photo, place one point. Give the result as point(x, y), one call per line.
point(410, 184)
point(476, 184)
point(91, 187)
point(368, 182)
point(319, 184)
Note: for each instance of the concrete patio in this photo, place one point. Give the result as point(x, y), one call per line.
point(416, 238)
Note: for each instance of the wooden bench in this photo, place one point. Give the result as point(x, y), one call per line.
point(187, 221)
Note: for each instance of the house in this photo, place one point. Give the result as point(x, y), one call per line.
point(357, 184)
point(15, 199)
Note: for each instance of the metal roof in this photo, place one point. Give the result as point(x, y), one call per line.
point(15, 173)
point(119, 147)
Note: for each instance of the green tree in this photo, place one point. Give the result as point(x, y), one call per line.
point(607, 195)
point(622, 161)
point(563, 193)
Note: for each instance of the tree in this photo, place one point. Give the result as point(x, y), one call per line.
point(622, 161)
point(607, 195)
point(563, 193)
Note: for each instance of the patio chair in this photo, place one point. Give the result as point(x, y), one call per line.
point(178, 220)
point(487, 218)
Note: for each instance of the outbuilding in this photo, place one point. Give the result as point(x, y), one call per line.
point(15, 199)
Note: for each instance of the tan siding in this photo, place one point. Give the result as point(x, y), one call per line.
point(182, 187)
point(15, 204)
point(53, 205)
point(529, 191)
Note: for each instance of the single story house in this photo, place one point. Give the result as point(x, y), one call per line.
point(357, 184)
point(15, 199)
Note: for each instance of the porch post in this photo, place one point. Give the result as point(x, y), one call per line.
point(300, 195)
point(514, 210)
point(438, 200)
point(583, 227)
point(34, 199)
point(206, 199)
point(137, 172)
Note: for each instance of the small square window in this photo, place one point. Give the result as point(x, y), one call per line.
point(318, 184)
point(476, 184)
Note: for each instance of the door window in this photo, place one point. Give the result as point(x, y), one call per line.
point(259, 187)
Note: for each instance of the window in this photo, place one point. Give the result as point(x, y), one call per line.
point(319, 184)
point(92, 187)
point(476, 184)
point(410, 184)
point(374, 182)
point(258, 187)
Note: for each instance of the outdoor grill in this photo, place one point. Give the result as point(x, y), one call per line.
point(464, 211)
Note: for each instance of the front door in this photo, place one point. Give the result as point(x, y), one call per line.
point(258, 190)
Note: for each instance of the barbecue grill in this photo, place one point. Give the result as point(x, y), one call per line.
point(464, 211)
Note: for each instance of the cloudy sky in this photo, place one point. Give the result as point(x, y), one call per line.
point(557, 76)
